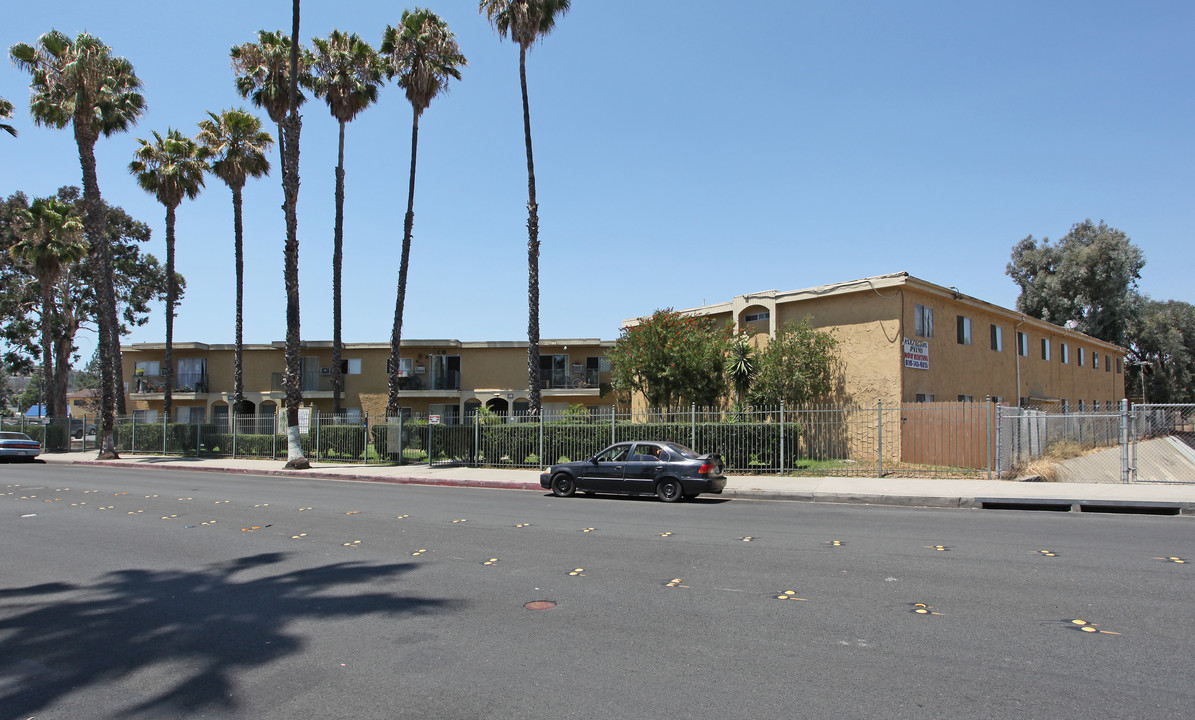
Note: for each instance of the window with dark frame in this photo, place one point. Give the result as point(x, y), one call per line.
point(997, 334)
point(964, 330)
point(923, 321)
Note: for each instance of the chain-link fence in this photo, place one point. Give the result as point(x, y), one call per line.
point(1154, 443)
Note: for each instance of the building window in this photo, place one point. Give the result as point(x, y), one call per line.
point(964, 330)
point(924, 397)
point(1107, 363)
point(1095, 360)
point(190, 414)
point(350, 366)
point(1065, 405)
point(1064, 354)
point(1045, 348)
point(923, 321)
point(1022, 344)
point(759, 316)
point(147, 367)
point(1080, 357)
point(1119, 366)
point(966, 398)
point(145, 416)
point(1081, 408)
point(997, 338)
point(404, 367)
point(446, 372)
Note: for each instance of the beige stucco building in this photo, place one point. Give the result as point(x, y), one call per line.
point(904, 340)
point(443, 377)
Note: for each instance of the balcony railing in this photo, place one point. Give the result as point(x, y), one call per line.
point(562, 379)
point(183, 382)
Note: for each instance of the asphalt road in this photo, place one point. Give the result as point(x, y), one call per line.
point(173, 594)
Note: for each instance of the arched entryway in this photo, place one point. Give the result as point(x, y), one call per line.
point(498, 405)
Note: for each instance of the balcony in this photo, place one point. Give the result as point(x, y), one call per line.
point(564, 380)
point(195, 383)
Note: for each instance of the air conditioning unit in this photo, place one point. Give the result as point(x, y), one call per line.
point(325, 371)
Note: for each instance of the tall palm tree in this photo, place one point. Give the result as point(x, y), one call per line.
point(525, 21)
point(51, 237)
point(423, 54)
point(80, 83)
point(237, 148)
point(346, 74)
point(170, 168)
point(6, 113)
point(270, 73)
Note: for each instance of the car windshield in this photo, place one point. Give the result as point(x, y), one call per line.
point(682, 451)
point(14, 436)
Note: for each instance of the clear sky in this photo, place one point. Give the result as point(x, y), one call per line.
point(686, 152)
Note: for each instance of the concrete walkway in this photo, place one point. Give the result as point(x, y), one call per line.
point(1171, 498)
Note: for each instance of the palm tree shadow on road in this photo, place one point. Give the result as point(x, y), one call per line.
point(207, 625)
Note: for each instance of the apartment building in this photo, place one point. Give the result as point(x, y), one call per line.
point(902, 339)
point(439, 377)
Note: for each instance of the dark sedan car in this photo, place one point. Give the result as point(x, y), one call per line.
point(18, 445)
point(668, 470)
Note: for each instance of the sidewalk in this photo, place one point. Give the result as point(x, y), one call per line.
point(1170, 499)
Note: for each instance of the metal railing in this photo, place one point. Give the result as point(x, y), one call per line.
point(1154, 443)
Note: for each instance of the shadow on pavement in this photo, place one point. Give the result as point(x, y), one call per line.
point(60, 638)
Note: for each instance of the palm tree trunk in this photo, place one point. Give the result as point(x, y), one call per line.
point(238, 382)
point(533, 380)
point(62, 366)
point(171, 294)
point(94, 226)
point(337, 261)
point(408, 226)
point(290, 187)
point(48, 377)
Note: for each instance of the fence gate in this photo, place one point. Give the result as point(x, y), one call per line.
point(1163, 446)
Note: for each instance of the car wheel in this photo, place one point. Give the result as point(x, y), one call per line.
point(670, 490)
point(563, 485)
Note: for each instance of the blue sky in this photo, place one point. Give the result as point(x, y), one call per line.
point(685, 153)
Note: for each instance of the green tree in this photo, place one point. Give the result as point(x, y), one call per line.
point(30, 396)
point(672, 360)
point(526, 21)
point(5, 114)
point(423, 54)
point(797, 367)
point(740, 366)
point(346, 73)
point(1163, 347)
point(270, 74)
point(52, 237)
point(138, 281)
point(237, 148)
point(1089, 278)
point(81, 84)
point(170, 168)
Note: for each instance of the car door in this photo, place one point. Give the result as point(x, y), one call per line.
point(643, 467)
point(605, 471)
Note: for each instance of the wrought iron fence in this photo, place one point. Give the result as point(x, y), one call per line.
point(1154, 443)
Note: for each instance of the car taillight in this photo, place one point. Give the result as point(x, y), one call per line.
point(705, 469)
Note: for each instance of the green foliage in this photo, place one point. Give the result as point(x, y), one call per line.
point(672, 360)
point(1163, 336)
point(1089, 278)
point(797, 367)
point(740, 365)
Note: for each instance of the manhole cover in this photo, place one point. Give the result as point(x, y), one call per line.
point(540, 605)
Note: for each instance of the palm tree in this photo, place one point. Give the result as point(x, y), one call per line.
point(51, 238)
point(270, 73)
point(740, 366)
point(346, 74)
point(525, 21)
point(170, 168)
point(237, 148)
point(79, 83)
point(424, 55)
point(6, 113)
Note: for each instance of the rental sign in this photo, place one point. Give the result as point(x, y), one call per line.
point(917, 354)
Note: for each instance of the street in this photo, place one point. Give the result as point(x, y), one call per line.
point(163, 594)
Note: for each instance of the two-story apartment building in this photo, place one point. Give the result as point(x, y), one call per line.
point(441, 377)
point(902, 339)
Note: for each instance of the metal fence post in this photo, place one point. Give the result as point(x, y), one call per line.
point(1124, 440)
point(782, 423)
point(132, 434)
point(274, 437)
point(692, 425)
point(165, 431)
point(316, 414)
point(198, 438)
point(988, 410)
point(999, 440)
point(476, 440)
point(880, 436)
point(233, 420)
point(613, 423)
point(541, 437)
